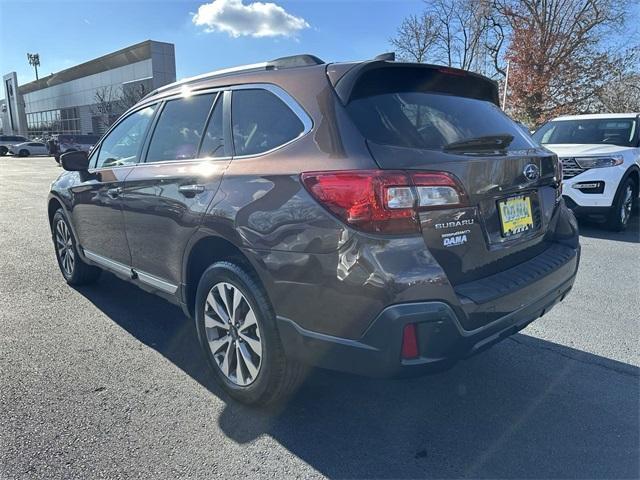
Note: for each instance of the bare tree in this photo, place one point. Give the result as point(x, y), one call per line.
point(106, 106)
point(131, 93)
point(560, 51)
point(457, 33)
point(416, 37)
point(112, 102)
point(463, 33)
point(495, 41)
point(557, 63)
point(621, 92)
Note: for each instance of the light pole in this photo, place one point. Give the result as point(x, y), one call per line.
point(506, 86)
point(34, 60)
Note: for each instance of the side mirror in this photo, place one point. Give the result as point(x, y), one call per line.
point(77, 161)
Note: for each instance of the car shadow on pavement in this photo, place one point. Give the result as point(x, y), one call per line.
point(527, 408)
point(598, 230)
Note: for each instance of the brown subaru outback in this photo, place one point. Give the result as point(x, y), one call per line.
point(374, 217)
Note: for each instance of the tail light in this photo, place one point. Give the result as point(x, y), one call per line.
point(383, 201)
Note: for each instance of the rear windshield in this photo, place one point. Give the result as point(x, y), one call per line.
point(610, 131)
point(431, 120)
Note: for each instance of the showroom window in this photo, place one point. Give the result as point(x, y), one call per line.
point(53, 122)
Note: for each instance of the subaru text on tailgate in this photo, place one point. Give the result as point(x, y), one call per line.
point(374, 217)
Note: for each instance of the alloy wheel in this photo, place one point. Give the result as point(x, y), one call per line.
point(64, 246)
point(627, 205)
point(233, 334)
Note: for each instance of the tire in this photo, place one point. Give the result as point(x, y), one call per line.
point(622, 207)
point(3, 151)
point(23, 153)
point(277, 376)
point(75, 271)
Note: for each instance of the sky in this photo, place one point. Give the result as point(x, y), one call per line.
point(224, 33)
point(207, 34)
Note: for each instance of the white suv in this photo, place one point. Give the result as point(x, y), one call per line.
point(600, 157)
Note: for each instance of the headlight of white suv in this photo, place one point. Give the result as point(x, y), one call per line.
point(600, 162)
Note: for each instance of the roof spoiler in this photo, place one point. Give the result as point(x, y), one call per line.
point(345, 84)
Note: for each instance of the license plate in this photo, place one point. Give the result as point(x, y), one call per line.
point(515, 215)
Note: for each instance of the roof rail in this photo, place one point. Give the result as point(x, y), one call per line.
point(304, 60)
point(292, 61)
point(254, 67)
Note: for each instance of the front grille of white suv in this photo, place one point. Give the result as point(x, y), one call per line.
point(570, 167)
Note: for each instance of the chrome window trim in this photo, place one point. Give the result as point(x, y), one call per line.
point(131, 273)
point(190, 93)
point(179, 160)
point(279, 92)
point(289, 101)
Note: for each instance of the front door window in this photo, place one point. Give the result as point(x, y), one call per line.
point(122, 144)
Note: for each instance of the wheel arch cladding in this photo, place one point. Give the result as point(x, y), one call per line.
point(204, 253)
point(52, 208)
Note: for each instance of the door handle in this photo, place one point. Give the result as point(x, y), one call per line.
point(191, 190)
point(114, 192)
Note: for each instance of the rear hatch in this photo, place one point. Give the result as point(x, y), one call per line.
point(431, 119)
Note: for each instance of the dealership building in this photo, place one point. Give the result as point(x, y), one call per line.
point(84, 99)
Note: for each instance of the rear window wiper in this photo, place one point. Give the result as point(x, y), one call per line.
point(484, 143)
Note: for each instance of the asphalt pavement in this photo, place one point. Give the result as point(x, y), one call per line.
point(107, 381)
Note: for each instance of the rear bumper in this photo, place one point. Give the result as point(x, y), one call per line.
point(441, 338)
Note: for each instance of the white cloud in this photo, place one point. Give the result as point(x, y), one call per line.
point(255, 19)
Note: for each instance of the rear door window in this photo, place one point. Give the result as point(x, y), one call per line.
point(261, 122)
point(179, 129)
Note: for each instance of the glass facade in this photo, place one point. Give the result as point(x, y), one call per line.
point(88, 98)
point(51, 122)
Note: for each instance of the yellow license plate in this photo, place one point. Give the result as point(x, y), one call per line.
point(515, 215)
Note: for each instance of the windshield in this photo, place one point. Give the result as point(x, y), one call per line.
point(610, 131)
point(432, 120)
